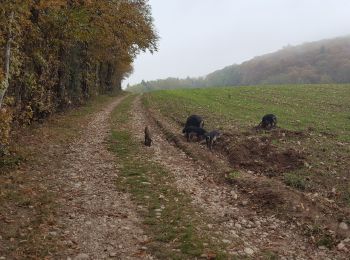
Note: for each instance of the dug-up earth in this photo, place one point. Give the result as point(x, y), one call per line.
point(95, 220)
point(236, 213)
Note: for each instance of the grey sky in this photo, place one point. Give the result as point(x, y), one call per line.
point(200, 36)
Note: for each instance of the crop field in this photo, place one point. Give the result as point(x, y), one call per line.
point(308, 151)
point(324, 108)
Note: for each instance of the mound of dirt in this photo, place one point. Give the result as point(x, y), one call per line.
point(258, 154)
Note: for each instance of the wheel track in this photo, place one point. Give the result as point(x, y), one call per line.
point(96, 220)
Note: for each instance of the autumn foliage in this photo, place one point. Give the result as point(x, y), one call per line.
point(65, 51)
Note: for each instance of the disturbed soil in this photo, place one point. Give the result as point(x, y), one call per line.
point(250, 211)
point(258, 154)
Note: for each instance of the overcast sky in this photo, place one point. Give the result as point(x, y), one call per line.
point(200, 36)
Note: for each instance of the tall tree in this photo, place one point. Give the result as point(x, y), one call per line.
point(57, 53)
point(5, 82)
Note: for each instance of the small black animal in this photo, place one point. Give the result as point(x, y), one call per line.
point(2, 150)
point(148, 137)
point(194, 120)
point(194, 130)
point(211, 137)
point(268, 121)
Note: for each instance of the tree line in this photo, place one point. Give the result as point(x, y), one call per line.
point(58, 53)
point(326, 61)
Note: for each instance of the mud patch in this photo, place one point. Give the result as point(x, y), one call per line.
point(258, 153)
point(281, 133)
point(268, 199)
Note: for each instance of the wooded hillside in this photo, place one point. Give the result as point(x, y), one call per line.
point(326, 61)
point(58, 53)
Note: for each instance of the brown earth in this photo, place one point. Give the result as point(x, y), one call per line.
point(258, 154)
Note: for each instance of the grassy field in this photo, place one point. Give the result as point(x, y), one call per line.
point(324, 108)
point(320, 113)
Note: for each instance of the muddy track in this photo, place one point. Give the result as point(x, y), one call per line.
point(96, 220)
point(233, 215)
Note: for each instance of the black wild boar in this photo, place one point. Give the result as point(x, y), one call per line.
point(268, 121)
point(194, 120)
point(194, 130)
point(211, 137)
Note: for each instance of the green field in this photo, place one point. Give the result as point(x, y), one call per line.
point(321, 113)
point(325, 108)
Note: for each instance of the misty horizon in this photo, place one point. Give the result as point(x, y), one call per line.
point(194, 47)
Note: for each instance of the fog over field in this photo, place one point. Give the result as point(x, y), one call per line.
point(200, 36)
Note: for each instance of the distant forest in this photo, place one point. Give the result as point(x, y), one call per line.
point(326, 61)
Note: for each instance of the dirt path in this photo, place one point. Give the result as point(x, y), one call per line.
point(97, 221)
point(232, 218)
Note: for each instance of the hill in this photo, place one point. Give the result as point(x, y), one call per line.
point(325, 61)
